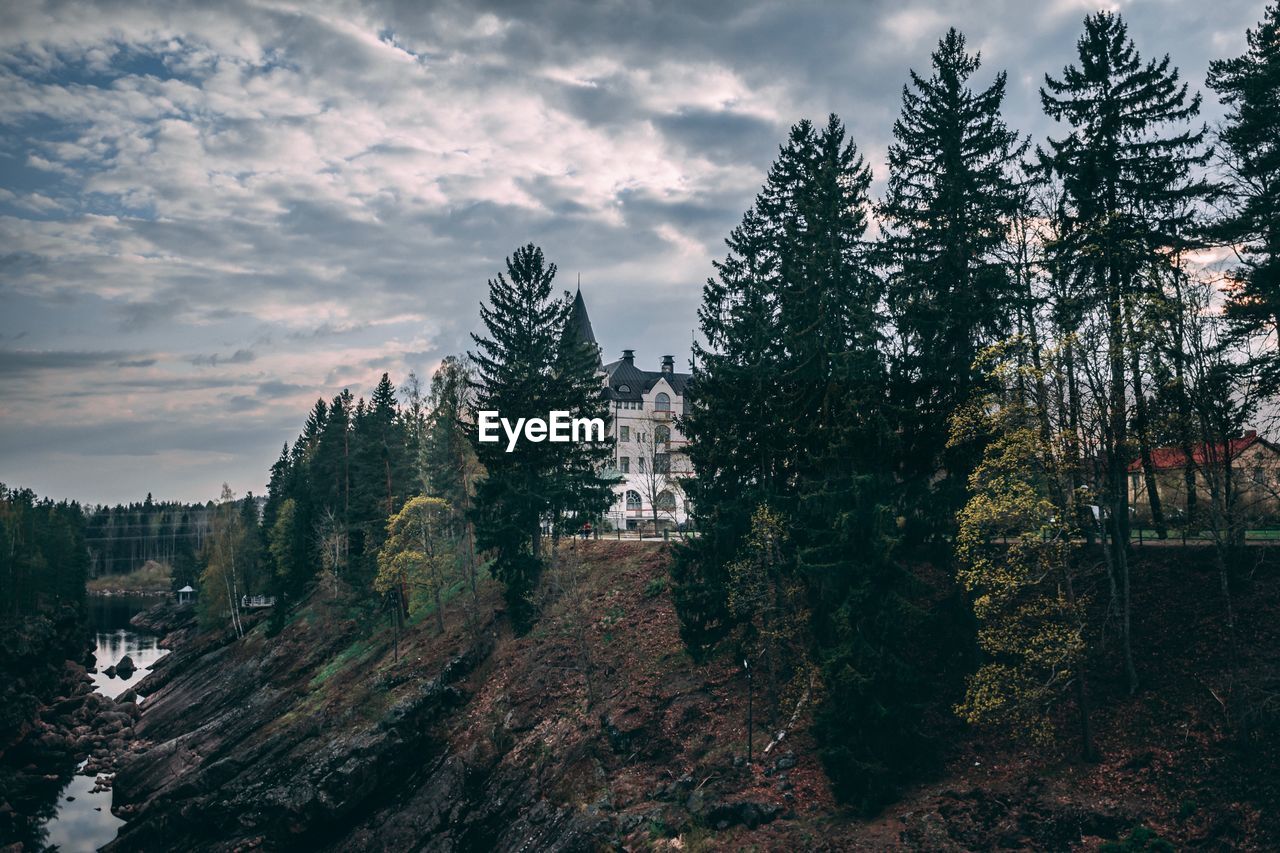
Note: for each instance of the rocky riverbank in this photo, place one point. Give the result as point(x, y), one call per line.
point(78, 730)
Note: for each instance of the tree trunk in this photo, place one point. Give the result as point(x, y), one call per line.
point(1073, 420)
point(1142, 427)
point(439, 607)
point(1118, 458)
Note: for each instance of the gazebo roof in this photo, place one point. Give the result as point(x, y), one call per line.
point(187, 588)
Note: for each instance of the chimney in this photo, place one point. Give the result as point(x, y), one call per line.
point(668, 364)
point(629, 356)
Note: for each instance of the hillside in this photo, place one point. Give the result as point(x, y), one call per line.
point(319, 738)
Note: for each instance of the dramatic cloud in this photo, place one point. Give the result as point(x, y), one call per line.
point(213, 213)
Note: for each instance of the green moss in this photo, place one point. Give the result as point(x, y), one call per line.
point(655, 587)
point(357, 651)
point(1139, 840)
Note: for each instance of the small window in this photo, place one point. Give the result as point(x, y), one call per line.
point(624, 433)
point(640, 464)
point(624, 389)
point(662, 402)
point(662, 463)
point(624, 464)
point(662, 434)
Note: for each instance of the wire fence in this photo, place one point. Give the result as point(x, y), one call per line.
point(1252, 536)
point(667, 534)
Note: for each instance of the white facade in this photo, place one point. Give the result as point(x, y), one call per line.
point(649, 458)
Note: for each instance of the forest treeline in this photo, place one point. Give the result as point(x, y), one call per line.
point(44, 564)
point(124, 537)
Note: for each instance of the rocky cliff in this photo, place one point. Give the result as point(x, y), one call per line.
point(597, 731)
point(322, 738)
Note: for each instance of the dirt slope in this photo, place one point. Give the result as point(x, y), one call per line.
point(597, 731)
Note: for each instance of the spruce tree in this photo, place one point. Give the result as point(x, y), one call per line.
point(730, 423)
point(834, 401)
point(378, 471)
point(525, 368)
point(787, 420)
point(1249, 85)
point(952, 192)
point(1128, 192)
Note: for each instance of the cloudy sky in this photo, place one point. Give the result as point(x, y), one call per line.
point(212, 214)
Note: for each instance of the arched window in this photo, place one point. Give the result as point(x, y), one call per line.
point(665, 502)
point(662, 402)
point(661, 434)
point(633, 499)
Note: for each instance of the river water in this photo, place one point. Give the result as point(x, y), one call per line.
point(83, 821)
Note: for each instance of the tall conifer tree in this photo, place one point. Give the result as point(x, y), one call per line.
point(1126, 170)
point(787, 418)
point(1249, 85)
point(951, 195)
point(526, 368)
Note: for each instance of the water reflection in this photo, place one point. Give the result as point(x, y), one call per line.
point(112, 648)
point(83, 821)
point(116, 639)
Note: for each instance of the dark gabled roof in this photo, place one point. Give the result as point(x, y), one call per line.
point(623, 372)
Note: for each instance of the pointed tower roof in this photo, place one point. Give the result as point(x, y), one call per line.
point(579, 324)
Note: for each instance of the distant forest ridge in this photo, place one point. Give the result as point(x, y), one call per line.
point(123, 538)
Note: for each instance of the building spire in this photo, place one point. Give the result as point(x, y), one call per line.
point(579, 323)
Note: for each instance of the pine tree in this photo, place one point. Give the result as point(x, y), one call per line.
point(378, 471)
point(834, 400)
point(787, 413)
point(525, 368)
point(1249, 85)
point(282, 546)
point(254, 544)
point(952, 192)
point(1128, 194)
point(731, 419)
point(329, 470)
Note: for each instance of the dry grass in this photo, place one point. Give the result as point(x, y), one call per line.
point(150, 577)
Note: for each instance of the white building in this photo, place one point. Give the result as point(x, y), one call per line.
point(649, 459)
